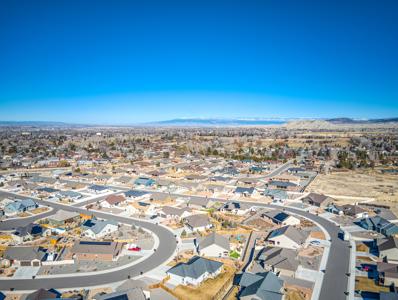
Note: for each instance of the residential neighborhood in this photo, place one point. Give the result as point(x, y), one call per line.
point(164, 224)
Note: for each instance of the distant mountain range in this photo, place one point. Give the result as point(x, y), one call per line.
point(217, 122)
point(366, 121)
point(39, 124)
point(201, 122)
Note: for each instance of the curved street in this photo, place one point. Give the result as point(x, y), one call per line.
point(167, 246)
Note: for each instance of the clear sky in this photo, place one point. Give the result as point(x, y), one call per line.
point(136, 61)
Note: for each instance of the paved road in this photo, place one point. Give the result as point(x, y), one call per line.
point(167, 246)
point(278, 170)
point(335, 280)
point(11, 224)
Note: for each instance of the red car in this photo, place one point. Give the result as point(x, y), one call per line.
point(134, 248)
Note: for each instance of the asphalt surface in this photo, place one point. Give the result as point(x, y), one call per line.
point(12, 224)
point(166, 248)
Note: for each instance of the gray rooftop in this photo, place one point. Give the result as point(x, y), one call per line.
point(195, 267)
point(213, 239)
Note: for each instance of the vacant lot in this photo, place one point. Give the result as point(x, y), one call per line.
point(368, 285)
point(294, 292)
point(39, 210)
point(367, 184)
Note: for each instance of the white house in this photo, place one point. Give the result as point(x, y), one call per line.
point(113, 201)
point(137, 195)
point(195, 271)
point(287, 237)
point(97, 229)
point(281, 218)
point(213, 245)
point(236, 208)
point(98, 189)
point(198, 222)
point(176, 213)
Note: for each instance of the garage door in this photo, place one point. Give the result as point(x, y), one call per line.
point(25, 263)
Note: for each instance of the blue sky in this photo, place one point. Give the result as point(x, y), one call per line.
point(136, 61)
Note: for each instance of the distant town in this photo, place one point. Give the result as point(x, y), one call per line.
point(298, 211)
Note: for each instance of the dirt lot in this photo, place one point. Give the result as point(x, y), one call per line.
point(318, 235)
point(369, 285)
point(311, 251)
point(260, 224)
point(362, 247)
point(296, 295)
point(39, 210)
point(367, 184)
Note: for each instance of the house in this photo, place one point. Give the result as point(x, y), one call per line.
point(334, 209)
point(188, 186)
point(130, 294)
point(113, 201)
point(123, 179)
point(27, 233)
point(161, 198)
point(215, 189)
point(388, 296)
point(317, 200)
point(46, 191)
point(19, 206)
point(200, 202)
point(388, 249)
point(25, 256)
point(354, 211)
point(69, 195)
point(174, 212)
point(281, 261)
point(63, 217)
point(236, 208)
point(245, 191)
point(385, 213)
point(287, 237)
point(19, 185)
point(136, 195)
point(275, 194)
point(198, 222)
point(96, 229)
point(281, 218)
point(144, 181)
point(260, 286)
point(42, 179)
point(282, 185)
point(98, 189)
point(42, 294)
point(295, 170)
point(142, 285)
point(388, 273)
point(380, 225)
point(144, 208)
point(286, 178)
point(195, 271)
point(213, 245)
point(95, 250)
point(74, 185)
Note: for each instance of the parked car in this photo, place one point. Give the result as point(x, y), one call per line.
point(133, 247)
